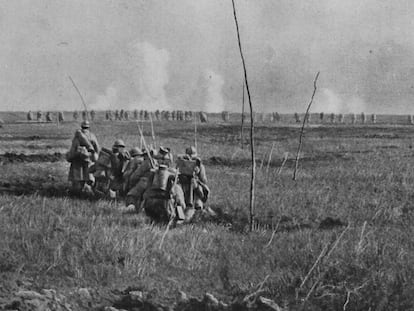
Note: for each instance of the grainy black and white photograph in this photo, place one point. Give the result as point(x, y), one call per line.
point(215, 155)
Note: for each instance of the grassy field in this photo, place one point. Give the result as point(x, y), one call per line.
point(338, 238)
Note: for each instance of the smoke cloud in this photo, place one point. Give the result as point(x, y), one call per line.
point(329, 101)
point(214, 101)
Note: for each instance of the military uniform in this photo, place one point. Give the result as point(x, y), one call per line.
point(82, 154)
point(138, 182)
point(119, 161)
point(195, 187)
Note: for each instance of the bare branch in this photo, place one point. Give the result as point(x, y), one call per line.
point(253, 157)
point(303, 126)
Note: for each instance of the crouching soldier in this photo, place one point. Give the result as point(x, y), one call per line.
point(193, 179)
point(164, 198)
point(102, 172)
point(82, 154)
point(133, 164)
point(138, 182)
point(119, 160)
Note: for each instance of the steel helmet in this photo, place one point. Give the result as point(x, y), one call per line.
point(119, 143)
point(135, 152)
point(85, 124)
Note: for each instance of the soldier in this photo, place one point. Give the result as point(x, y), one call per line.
point(84, 115)
point(276, 116)
point(297, 117)
point(141, 114)
point(173, 115)
point(374, 118)
point(225, 116)
point(39, 116)
point(126, 115)
point(193, 179)
point(119, 160)
point(61, 117)
point(332, 118)
point(48, 116)
point(167, 115)
point(157, 115)
point(146, 115)
point(82, 154)
point(363, 118)
point(75, 115)
point(93, 115)
point(321, 115)
point(133, 164)
point(29, 116)
point(138, 182)
point(341, 118)
point(121, 114)
point(203, 117)
point(410, 119)
point(102, 172)
point(164, 198)
point(117, 115)
point(353, 118)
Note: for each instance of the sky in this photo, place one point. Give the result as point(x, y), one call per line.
point(183, 54)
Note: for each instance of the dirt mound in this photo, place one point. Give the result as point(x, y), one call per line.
point(11, 157)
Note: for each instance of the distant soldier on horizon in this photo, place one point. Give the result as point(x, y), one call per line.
point(117, 115)
point(374, 118)
point(410, 119)
point(39, 116)
point(136, 114)
point(341, 118)
point(126, 115)
point(93, 115)
point(61, 117)
point(321, 115)
point(203, 117)
point(84, 115)
point(75, 115)
point(29, 116)
point(353, 118)
point(157, 115)
point(363, 118)
point(173, 115)
point(332, 117)
point(297, 117)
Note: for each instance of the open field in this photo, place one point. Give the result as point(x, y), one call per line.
point(338, 238)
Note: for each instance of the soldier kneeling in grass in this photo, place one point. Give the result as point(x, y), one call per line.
point(164, 198)
point(193, 178)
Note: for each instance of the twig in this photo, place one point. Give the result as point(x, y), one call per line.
point(303, 126)
point(318, 260)
point(253, 172)
point(242, 121)
point(270, 159)
point(361, 238)
point(283, 163)
point(195, 132)
point(165, 233)
point(80, 95)
point(152, 130)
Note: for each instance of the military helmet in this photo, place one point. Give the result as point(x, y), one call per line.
point(85, 124)
point(135, 152)
point(191, 151)
point(163, 150)
point(119, 143)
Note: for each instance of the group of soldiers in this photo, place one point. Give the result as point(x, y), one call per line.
point(49, 116)
point(174, 115)
point(148, 180)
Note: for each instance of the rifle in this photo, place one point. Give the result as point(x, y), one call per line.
point(153, 165)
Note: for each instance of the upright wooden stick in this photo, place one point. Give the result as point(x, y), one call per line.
point(303, 126)
point(242, 121)
point(253, 157)
point(195, 131)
